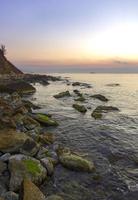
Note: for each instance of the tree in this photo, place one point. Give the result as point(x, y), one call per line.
point(3, 49)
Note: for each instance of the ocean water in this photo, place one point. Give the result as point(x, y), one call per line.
point(111, 143)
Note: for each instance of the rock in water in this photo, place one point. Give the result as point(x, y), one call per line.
point(45, 120)
point(31, 191)
point(80, 108)
point(76, 163)
point(62, 94)
point(100, 97)
point(21, 167)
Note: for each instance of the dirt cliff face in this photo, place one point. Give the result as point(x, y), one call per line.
point(6, 67)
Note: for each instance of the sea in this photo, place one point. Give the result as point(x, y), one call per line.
point(111, 143)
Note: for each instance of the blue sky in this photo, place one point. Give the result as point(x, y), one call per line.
point(69, 32)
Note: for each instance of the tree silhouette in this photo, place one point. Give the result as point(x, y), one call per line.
point(3, 49)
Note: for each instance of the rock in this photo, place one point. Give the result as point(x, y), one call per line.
point(81, 84)
point(3, 167)
point(97, 113)
point(20, 87)
point(80, 108)
point(47, 138)
point(31, 191)
point(30, 147)
point(10, 196)
point(29, 105)
point(11, 140)
point(5, 157)
point(1, 198)
point(42, 153)
point(21, 166)
point(113, 84)
point(30, 123)
point(100, 97)
point(78, 93)
point(80, 99)
point(47, 163)
point(45, 120)
point(76, 163)
point(54, 197)
point(62, 94)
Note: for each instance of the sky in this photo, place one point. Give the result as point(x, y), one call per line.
point(71, 34)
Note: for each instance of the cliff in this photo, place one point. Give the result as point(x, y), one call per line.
point(7, 67)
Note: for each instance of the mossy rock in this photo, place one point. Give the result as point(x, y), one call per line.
point(76, 163)
point(45, 120)
point(62, 94)
point(21, 167)
point(80, 108)
point(100, 97)
point(96, 115)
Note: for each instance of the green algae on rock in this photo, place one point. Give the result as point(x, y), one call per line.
point(21, 167)
point(62, 94)
point(45, 120)
point(80, 108)
point(76, 163)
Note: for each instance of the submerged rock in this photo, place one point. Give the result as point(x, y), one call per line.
point(45, 120)
point(62, 94)
point(31, 191)
point(113, 84)
point(21, 167)
point(100, 97)
point(80, 108)
point(81, 84)
point(54, 197)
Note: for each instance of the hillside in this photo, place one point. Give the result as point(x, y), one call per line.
point(7, 67)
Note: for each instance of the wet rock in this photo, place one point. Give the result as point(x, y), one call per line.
point(100, 97)
point(80, 108)
point(80, 99)
point(42, 153)
point(30, 123)
point(78, 93)
point(11, 140)
point(54, 197)
point(5, 157)
point(47, 163)
point(10, 196)
point(30, 147)
point(45, 120)
point(47, 138)
point(62, 94)
point(21, 166)
point(3, 167)
point(113, 84)
point(75, 162)
point(20, 87)
point(31, 191)
point(97, 113)
point(29, 105)
point(81, 84)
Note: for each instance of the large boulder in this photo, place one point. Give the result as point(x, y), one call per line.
point(11, 140)
point(75, 162)
point(80, 108)
point(31, 191)
point(21, 167)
